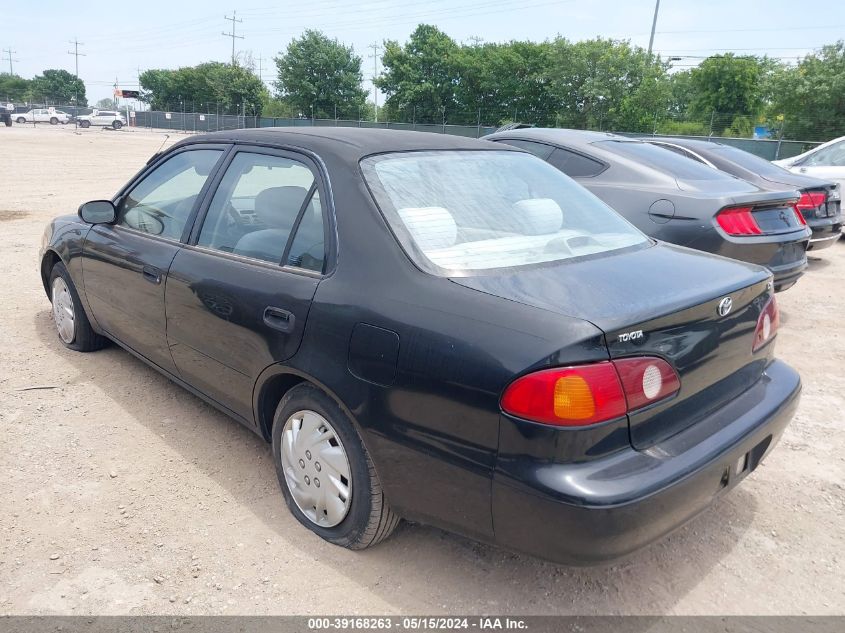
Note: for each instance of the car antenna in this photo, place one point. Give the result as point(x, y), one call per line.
point(166, 136)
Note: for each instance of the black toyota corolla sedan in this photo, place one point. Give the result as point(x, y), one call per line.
point(678, 200)
point(819, 202)
point(435, 328)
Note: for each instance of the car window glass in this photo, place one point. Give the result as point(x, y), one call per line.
point(575, 165)
point(308, 247)
point(749, 161)
point(830, 156)
point(162, 202)
point(662, 160)
point(256, 206)
point(538, 149)
point(466, 211)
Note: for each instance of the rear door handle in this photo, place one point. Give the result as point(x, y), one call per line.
point(278, 319)
point(151, 274)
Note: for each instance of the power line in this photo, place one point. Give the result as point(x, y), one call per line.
point(234, 20)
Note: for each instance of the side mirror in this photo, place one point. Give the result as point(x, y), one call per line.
point(98, 212)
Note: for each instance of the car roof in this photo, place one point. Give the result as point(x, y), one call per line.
point(351, 143)
point(690, 143)
point(557, 135)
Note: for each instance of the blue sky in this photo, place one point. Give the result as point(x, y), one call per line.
point(121, 37)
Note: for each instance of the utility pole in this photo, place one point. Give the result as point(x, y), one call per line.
point(75, 52)
point(9, 52)
point(234, 20)
point(376, 47)
point(653, 26)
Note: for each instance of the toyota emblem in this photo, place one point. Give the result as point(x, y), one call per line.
point(725, 306)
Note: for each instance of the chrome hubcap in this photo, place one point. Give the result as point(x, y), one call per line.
point(63, 311)
point(316, 468)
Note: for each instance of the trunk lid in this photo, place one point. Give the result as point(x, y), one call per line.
point(658, 301)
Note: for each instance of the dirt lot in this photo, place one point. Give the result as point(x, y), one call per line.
point(122, 493)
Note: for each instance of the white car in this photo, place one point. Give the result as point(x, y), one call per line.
point(103, 118)
point(827, 161)
point(43, 115)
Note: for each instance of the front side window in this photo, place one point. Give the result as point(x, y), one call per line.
point(460, 212)
point(162, 202)
point(260, 202)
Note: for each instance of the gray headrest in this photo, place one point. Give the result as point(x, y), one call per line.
point(431, 227)
point(538, 216)
point(277, 206)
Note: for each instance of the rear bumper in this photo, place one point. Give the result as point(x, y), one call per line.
point(826, 231)
point(602, 509)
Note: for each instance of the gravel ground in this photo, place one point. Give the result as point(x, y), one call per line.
point(120, 493)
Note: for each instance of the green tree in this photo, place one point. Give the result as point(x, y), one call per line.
point(504, 82)
point(105, 104)
point(811, 96)
point(608, 84)
point(728, 86)
point(57, 86)
point(13, 88)
point(206, 87)
point(420, 78)
point(320, 73)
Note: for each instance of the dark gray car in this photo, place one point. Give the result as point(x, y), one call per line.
point(820, 201)
point(678, 200)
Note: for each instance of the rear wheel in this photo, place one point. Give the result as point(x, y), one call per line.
point(327, 477)
point(85, 124)
point(117, 125)
point(21, 119)
point(54, 121)
point(72, 324)
point(8, 122)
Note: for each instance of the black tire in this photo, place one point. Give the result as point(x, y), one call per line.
point(370, 519)
point(8, 122)
point(85, 339)
point(85, 124)
point(54, 121)
point(117, 125)
point(21, 119)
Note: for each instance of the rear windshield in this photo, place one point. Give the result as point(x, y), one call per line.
point(663, 160)
point(460, 212)
point(749, 161)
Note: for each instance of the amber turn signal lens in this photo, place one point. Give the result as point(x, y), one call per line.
point(573, 399)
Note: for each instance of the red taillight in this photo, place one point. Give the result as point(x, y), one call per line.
point(810, 202)
point(646, 380)
point(589, 394)
point(738, 221)
point(767, 324)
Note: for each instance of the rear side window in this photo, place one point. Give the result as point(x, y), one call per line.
point(460, 212)
point(261, 201)
point(830, 156)
point(662, 160)
point(575, 165)
point(538, 149)
point(749, 161)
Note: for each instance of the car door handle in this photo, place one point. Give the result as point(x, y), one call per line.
point(278, 319)
point(803, 170)
point(151, 274)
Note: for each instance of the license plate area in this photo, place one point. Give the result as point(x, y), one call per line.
point(745, 463)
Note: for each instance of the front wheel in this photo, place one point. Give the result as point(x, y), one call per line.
point(117, 125)
point(72, 324)
point(54, 121)
point(326, 474)
point(85, 124)
point(21, 119)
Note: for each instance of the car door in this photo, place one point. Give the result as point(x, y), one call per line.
point(827, 163)
point(239, 294)
point(125, 265)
